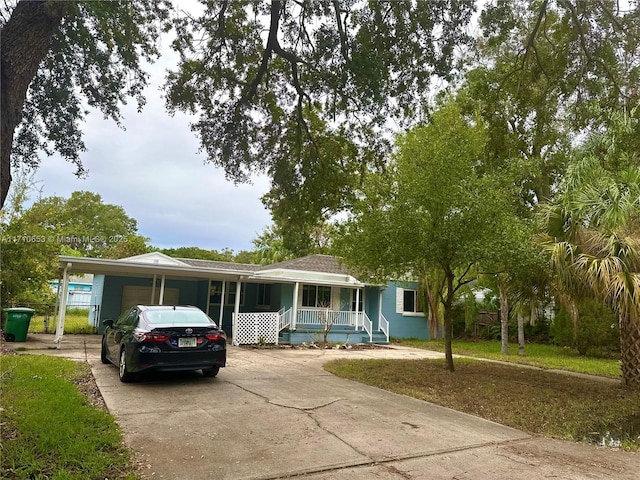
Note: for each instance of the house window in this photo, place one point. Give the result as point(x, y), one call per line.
point(411, 302)
point(264, 294)
point(316, 296)
point(215, 294)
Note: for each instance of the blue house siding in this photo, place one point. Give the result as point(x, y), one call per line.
point(109, 292)
point(403, 325)
point(112, 289)
point(372, 304)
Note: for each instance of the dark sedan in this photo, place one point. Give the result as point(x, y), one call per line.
point(163, 338)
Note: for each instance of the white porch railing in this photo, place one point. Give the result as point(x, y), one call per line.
point(383, 325)
point(325, 317)
point(367, 324)
point(284, 319)
point(252, 328)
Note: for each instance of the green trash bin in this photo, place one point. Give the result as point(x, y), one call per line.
point(16, 324)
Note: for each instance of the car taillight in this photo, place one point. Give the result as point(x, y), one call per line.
point(216, 336)
point(151, 337)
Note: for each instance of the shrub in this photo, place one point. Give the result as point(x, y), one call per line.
point(598, 331)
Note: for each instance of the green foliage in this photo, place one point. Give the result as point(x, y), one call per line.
point(269, 247)
point(199, 253)
point(538, 355)
point(305, 91)
point(32, 239)
point(98, 44)
point(598, 331)
point(56, 432)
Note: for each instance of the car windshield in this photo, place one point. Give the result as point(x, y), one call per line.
point(178, 317)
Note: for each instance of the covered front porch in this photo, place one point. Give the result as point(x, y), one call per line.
point(310, 326)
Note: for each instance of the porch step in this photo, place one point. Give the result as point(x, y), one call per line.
point(309, 334)
point(379, 338)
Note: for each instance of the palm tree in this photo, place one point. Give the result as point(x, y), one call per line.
point(593, 235)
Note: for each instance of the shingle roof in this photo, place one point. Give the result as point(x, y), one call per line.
point(311, 263)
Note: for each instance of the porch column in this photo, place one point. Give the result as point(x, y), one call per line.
point(63, 305)
point(224, 288)
point(236, 308)
point(153, 289)
point(357, 309)
point(294, 308)
point(161, 299)
point(379, 307)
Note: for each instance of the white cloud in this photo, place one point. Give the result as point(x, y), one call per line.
point(154, 171)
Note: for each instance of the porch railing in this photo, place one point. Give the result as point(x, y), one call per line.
point(383, 325)
point(367, 324)
point(325, 317)
point(284, 319)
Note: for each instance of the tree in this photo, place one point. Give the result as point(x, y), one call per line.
point(593, 235)
point(58, 57)
point(304, 90)
point(431, 210)
point(225, 255)
point(547, 72)
point(33, 238)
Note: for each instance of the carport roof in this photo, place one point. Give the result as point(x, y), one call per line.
point(318, 269)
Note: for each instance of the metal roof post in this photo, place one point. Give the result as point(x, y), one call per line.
point(63, 306)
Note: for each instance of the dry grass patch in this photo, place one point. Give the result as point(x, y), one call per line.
point(535, 401)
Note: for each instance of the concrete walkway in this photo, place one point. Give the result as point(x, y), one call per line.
point(277, 414)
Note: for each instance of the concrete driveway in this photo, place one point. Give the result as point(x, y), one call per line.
point(277, 414)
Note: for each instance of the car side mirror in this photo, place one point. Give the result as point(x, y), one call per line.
point(108, 323)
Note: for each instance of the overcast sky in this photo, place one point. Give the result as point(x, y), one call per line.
point(154, 171)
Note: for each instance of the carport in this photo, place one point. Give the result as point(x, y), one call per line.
point(156, 268)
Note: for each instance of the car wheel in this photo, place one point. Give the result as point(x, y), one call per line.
point(210, 372)
point(125, 375)
point(103, 353)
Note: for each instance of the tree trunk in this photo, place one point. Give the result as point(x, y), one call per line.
point(575, 320)
point(533, 318)
point(26, 39)
point(520, 335)
point(448, 322)
point(504, 319)
point(434, 321)
point(630, 351)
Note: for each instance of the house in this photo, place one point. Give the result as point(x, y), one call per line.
point(293, 301)
point(78, 290)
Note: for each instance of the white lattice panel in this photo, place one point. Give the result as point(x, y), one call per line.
point(252, 328)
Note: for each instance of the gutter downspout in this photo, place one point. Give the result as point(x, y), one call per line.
point(63, 306)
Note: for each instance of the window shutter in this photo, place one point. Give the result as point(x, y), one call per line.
point(399, 300)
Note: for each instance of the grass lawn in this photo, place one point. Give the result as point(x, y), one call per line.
point(535, 401)
point(74, 322)
point(545, 356)
point(49, 429)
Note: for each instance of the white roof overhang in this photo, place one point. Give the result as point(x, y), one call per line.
point(128, 268)
point(134, 268)
point(304, 276)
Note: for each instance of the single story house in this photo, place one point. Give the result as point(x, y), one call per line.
point(293, 301)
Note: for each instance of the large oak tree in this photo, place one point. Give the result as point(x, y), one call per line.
point(57, 58)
